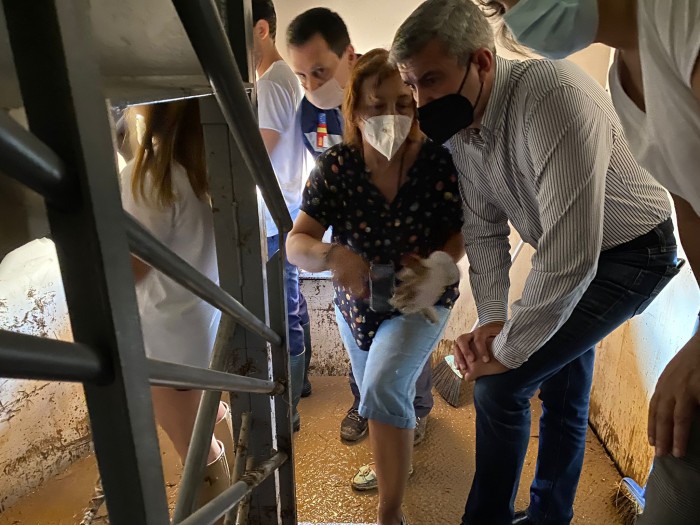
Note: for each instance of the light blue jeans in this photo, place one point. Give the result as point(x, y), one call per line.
point(387, 373)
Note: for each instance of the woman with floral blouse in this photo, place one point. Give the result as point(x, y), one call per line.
point(391, 199)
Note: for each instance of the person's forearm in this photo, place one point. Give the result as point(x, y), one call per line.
point(454, 247)
point(139, 268)
point(688, 228)
point(307, 253)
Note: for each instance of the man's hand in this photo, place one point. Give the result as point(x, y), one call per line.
point(675, 401)
point(478, 369)
point(476, 345)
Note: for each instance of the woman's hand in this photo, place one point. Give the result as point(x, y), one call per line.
point(423, 281)
point(349, 270)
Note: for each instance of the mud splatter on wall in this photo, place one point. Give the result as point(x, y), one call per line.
point(43, 426)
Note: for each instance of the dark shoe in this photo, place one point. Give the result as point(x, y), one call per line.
point(306, 389)
point(521, 518)
point(353, 426)
point(421, 429)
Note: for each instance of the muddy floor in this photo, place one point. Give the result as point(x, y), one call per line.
point(436, 492)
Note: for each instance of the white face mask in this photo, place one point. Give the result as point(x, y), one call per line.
point(327, 96)
point(387, 133)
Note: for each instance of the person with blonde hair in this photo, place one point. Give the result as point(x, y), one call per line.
point(165, 188)
point(392, 201)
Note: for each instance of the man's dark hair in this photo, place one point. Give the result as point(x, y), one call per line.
point(319, 21)
point(265, 10)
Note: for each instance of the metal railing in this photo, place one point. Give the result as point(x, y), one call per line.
point(68, 158)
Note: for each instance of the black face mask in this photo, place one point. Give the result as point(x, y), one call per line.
point(443, 117)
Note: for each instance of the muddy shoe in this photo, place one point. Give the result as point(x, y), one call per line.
point(353, 426)
point(421, 429)
point(366, 478)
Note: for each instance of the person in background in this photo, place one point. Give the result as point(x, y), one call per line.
point(165, 188)
point(323, 57)
point(538, 145)
point(279, 96)
point(655, 87)
point(391, 199)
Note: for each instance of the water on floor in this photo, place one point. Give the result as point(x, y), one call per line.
point(436, 492)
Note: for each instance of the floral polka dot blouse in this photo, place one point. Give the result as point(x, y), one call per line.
point(424, 215)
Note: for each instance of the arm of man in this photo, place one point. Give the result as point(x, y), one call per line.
point(570, 163)
point(487, 247)
point(276, 112)
point(270, 139)
point(677, 393)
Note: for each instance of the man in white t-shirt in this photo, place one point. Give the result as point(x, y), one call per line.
point(279, 95)
point(655, 87)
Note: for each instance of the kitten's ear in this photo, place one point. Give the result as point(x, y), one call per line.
point(414, 263)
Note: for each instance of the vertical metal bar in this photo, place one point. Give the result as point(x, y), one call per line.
point(193, 472)
point(242, 254)
point(244, 506)
point(239, 465)
point(203, 27)
point(239, 22)
point(284, 478)
point(60, 83)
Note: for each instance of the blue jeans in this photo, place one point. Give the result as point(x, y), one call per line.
point(387, 373)
point(628, 278)
point(422, 403)
point(297, 313)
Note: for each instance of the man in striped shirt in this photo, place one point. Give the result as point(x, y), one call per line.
point(538, 145)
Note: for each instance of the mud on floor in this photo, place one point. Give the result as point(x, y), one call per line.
point(436, 492)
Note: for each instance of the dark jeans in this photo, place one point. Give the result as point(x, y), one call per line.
point(297, 313)
point(628, 278)
point(422, 403)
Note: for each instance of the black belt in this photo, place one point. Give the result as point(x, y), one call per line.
point(648, 240)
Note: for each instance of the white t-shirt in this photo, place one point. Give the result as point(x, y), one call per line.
point(279, 96)
point(665, 139)
point(177, 325)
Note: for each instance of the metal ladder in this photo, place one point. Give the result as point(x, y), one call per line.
point(68, 158)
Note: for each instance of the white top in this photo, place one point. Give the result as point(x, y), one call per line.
point(177, 326)
point(665, 139)
point(279, 96)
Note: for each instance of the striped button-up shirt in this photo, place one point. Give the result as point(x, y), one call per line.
point(550, 157)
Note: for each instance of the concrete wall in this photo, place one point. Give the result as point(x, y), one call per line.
point(43, 426)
